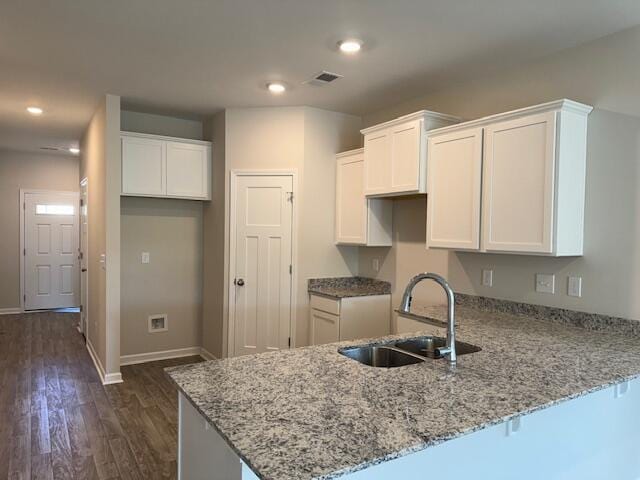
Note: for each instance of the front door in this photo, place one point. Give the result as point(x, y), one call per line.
point(262, 262)
point(50, 252)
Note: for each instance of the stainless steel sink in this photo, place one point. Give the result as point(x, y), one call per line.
point(404, 352)
point(428, 346)
point(381, 356)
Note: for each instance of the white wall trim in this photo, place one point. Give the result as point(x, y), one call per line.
point(161, 355)
point(107, 379)
point(10, 311)
point(229, 320)
point(206, 354)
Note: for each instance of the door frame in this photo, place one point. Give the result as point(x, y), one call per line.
point(233, 180)
point(21, 206)
point(84, 308)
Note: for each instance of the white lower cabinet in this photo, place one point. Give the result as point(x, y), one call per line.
point(165, 167)
point(350, 318)
point(510, 183)
point(359, 221)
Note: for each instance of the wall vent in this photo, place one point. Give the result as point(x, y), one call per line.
point(54, 149)
point(322, 78)
point(158, 323)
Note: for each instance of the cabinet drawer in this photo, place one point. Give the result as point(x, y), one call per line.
point(328, 305)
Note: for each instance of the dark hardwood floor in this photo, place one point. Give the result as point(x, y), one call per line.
point(57, 421)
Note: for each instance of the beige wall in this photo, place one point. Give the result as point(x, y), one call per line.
point(100, 164)
point(160, 125)
point(22, 170)
point(301, 139)
point(171, 283)
point(605, 74)
point(171, 231)
point(214, 298)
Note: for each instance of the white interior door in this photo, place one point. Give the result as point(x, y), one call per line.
point(262, 260)
point(51, 277)
point(84, 254)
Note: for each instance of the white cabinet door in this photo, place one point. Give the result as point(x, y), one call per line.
point(406, 157)
point(454, 173)
point(143, 169)
point(377, 163)
point(518, 184)
point(351, 204)
point(325, 327)
point(187, 170)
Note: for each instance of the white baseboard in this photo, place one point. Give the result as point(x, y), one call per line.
point(206, 354)
point(163, 355)
point(10, 311)
point(107, 379)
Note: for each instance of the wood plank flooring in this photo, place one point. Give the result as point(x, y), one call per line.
point(57, 421)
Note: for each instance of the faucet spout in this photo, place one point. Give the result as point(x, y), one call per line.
point(405, 307)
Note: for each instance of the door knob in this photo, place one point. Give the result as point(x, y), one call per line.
point(240, 282)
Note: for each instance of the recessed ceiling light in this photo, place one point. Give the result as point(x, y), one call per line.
point(276, 88)
point(35, 110)
point(350, 46)
point(74, 150)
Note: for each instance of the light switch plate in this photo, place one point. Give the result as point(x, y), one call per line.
point(487, 278)
point(545, 283)
point(574, 287)
point(145, 257)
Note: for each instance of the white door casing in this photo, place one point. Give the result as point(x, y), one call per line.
point(84, 256)
point(50, 240)
point(261, 287)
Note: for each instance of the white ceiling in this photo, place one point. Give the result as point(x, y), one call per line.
point(194, 57)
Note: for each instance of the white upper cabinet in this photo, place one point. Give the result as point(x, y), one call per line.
point(454, 175)
point(187, 170)
point(395, 154)
point(519, 184)
point(156, 166)
point(143, 166)
point(532, 185)
point(359, 221)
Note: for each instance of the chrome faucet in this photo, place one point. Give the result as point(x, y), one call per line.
point(450, 349)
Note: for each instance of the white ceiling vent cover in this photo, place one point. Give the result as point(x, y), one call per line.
point(323, 78)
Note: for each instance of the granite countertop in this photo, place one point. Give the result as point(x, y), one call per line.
point(343, 287)
point(311, 413)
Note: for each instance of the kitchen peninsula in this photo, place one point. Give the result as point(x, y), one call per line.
point(551, 394)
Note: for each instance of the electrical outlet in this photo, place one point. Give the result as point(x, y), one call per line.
point(487, 278)
point(545, 283)
point(375, 264)
point(574, 287)
point(145, 257)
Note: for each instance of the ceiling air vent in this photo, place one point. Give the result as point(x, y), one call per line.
point(54, 149)
point(323, 78)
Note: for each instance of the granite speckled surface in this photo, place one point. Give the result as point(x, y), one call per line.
point(343, 287)
point(311, 413)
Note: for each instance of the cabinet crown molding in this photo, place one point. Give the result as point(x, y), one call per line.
point(559, 105)
point(124, 133)
point(422, 114)
point(348, 153)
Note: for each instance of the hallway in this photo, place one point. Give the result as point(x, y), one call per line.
point(57, 421)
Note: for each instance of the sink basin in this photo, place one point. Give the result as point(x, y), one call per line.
point(428, 346)
point(380, 356)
